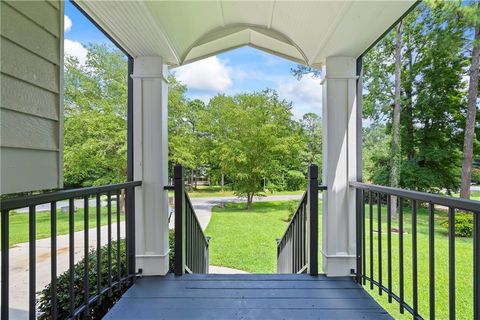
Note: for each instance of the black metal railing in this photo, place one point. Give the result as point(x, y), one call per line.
point(52, 198)
point(191, 245)
point(371, 267)
point(297, 249)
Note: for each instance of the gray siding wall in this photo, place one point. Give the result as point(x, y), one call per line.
point(31, 104)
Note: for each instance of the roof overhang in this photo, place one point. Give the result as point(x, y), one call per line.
point(303, 31)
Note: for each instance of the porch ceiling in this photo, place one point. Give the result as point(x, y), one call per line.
point(303, 31)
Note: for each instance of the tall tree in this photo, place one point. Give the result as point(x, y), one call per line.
point(472, 98)
point(396, 118)
point(95, 127)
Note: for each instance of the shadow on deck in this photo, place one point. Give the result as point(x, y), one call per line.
point(246, 296)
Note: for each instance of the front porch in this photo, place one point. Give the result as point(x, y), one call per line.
point(156, 36)
point(246, 296)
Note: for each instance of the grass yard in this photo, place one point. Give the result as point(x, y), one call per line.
point(464, 265)
point(474, 195)
point(19, 223)
point(245, 240)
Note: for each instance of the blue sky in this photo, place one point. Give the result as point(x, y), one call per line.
point(241, 70)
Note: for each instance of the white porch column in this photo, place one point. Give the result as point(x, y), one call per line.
point(150, 97)
point(339, 165)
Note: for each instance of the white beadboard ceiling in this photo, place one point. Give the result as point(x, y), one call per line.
point(303, 31)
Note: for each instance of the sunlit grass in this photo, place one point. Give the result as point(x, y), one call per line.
point(18, 232)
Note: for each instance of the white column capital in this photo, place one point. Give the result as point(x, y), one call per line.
point(150, 67)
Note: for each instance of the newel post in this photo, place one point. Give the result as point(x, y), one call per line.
point(312, 210)
point(180, 236)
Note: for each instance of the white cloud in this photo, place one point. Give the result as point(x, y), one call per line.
point(76, 49)
point(209, 75)
point(67, 24)
point(305, 95)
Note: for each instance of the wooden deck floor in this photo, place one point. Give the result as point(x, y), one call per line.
point(246, 296)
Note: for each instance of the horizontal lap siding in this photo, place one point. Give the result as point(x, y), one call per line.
point(22, 167)
point(31, 106)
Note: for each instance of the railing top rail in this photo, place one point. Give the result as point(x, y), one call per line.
point(302, 200)
point(33, 200)
point(187, 198)
point(463, 204)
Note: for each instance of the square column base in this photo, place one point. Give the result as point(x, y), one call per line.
point(153, 265)
point(338, 265)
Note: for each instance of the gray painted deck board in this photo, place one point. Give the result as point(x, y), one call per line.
point(246, 296)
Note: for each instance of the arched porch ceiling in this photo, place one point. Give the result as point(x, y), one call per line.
point(303, 31)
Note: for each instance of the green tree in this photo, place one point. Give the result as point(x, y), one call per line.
point(253, 137)
point(95, 127)
point(431, 103)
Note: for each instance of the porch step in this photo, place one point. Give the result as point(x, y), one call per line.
point(246, 296)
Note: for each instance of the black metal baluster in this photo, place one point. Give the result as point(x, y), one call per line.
point(53, 254)
point(400, 256)
point(119, 265)
point(32, 262)
point(109, 242)
point(127, 207)
point(389, 246)
point(370, 201)
point(414, 258)
point(180, 228)
point(431, 256)
point(364, 242)
point(86, 246)
point(5, 264)
point(71, 230)
point(476, 265)
point(98, 208)
point(379, 225)
point(451, 262)
point(358, 236)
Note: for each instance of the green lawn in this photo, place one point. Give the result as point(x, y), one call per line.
point(19, 223)
point(475, 195)
point(245, 240)
point(464, 265)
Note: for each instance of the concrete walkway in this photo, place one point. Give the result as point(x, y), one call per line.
point(224, 270)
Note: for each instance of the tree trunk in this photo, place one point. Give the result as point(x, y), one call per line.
point(249, 200)
point(222, 182)
point(396, 119)
point(471, 116)
point(408, 143)
point(122, 201)
point(196, 185)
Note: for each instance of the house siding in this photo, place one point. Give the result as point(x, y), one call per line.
point(31, 106)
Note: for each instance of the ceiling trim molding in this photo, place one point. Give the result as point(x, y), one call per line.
point(234, 28)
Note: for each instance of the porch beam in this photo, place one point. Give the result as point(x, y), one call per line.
point(339, 165)
point(150, 157)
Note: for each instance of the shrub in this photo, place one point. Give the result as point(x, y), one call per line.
point(463, 225)
point(294, 180)
point(97, 310)
point(476, 175)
